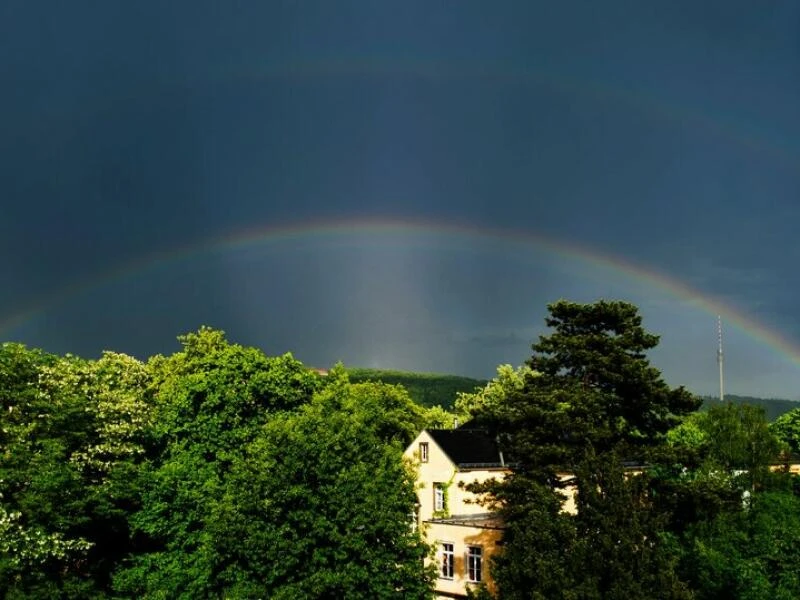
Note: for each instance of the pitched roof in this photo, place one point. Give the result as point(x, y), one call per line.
point(468, 447)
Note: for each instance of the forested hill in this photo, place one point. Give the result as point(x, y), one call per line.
point(431, 389)
point(427, 389)
point(773, 407)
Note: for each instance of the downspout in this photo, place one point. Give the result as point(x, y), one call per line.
point(500, 452)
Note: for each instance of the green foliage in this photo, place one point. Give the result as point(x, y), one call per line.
point(427, 389)
point(739, 437)
point(319, 508)
point(210, 401)
point(445, 487)
point(69, 427)
point(214, 472)
point(537, 541)
point(487, 399)
point(122, 414)
point(386, 409)
point(690, 433)
point(787, 429)
point(593, 401)
point(597, 354)
point(619, 536)
point(748, 554)
point(436, 417)
point(729, 441)
point(221, 472)
point(31, 550)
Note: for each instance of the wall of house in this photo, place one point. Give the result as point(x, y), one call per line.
point(461, 537)
point(570, 491)
point(793, 468)
point(440, 469)
point(463, 502)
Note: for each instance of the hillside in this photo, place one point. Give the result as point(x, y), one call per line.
point(773, 407)
point(427, 389)
point(430, 389)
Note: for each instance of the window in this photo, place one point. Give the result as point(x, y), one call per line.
point(446, 564)
point(438, 497)
point(474, 563)
point(423, 452)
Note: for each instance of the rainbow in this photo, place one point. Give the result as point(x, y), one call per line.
point(410, 232)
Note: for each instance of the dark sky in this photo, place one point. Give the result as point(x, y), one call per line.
point(663, 135)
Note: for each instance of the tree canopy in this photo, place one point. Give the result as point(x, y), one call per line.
point(216, 471)
point(219, 471)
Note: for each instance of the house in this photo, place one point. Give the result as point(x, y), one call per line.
point(463, 533)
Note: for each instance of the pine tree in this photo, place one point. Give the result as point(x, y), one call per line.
point(592, 402)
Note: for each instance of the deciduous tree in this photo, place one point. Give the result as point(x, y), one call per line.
point(787, 429)
point(321, 508)
point(210, 401)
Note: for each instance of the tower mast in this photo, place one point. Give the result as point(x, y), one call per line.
point(719, 359)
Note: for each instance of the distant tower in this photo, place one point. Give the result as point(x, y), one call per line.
point(719, 359)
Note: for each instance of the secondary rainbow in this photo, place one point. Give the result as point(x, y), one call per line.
point(406, 231)
point(732, 128)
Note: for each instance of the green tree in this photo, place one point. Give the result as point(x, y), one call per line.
point(437, 417)
point(26, 552)
point(210, 401)
point(386, 409)
point(597, 353)
point(320, 508)
point(748, 554)
point(486, 399)
point(739, 439)
point(593, 402)
point(34, 545)
point(71, 433)
point(122, 409)
point(787, 429)
point(253, 490)
point(731, 439)
point(717, 460)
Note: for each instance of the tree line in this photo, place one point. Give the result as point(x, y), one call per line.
point(214, 472)
point(220, 472)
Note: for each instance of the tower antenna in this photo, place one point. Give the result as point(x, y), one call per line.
point(719, 359)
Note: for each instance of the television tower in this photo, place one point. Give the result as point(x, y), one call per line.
point(719, 359)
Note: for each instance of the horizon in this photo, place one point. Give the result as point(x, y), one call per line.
point(404, 184)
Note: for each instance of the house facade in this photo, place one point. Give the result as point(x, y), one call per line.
point(464, 534)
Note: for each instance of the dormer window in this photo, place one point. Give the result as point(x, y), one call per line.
point(423, 452)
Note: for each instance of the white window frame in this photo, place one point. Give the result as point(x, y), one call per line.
point(438, 497)
point(423, 452)
point(447, 558)
point(474, 564)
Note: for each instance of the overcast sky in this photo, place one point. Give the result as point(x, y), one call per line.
point(661, 135)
